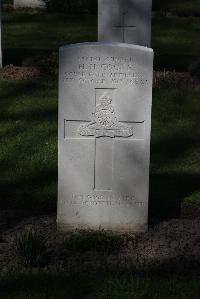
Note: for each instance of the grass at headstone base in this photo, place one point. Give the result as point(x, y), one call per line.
point(28, 153)
point(29, 38)
point(41, 286)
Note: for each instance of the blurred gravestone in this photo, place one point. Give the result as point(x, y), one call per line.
point(125, 21)
point(105, 98)
point(29, 4)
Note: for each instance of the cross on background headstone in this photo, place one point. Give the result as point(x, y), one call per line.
point(105, 129)
point(124, 27)
point(125, 21)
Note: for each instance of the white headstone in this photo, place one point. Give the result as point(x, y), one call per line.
point(29, 3)
point(125, 21)
point(0, 39)
point(105, 98)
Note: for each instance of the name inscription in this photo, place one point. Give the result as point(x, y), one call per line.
point(105, 70)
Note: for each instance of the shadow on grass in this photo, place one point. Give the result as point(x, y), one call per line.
point(50, 286)
point(174, 151)
point(33, 193)
point(28, 157)
point(179, 62)
point(31, 57)
point(37, 36)
point(102, 286)
point(167, 192)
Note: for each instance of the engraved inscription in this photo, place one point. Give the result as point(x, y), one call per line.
point(105, 122)
point(106, 70)
point(102, 200)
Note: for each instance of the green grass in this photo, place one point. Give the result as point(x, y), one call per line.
point(37, 35)
point(27, 37)
point(46, 31)
point(41, 286)
point(175, 42)
point(31, 249)
point(175, 151)
point(180, 7)
point(28, 153)
point(191, 206)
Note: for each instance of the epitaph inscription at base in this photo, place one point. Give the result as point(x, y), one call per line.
point(105, 97)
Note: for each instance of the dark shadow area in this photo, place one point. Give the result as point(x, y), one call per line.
point(48, 284)
point(103, 285)
point(28, 181)
point(17, 56)
point(27, 193)
point(167, 192)
point(179, 62)
point(174, 151)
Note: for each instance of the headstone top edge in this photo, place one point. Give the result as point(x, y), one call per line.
point(106, 44)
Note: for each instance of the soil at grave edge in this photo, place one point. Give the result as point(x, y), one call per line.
point(169, 247)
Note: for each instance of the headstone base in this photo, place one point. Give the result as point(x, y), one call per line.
point(63, 227)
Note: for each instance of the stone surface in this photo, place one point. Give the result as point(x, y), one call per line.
point(126, 21)
point(29, 3)
point(105, 98)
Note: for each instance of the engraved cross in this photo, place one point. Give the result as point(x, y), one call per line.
point(104, 128)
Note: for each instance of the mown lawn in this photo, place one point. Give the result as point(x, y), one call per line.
point(42, 286)
point(46, 31)
point(27, 37)
point(28, 153)
point(178, 7)
point(175, 42)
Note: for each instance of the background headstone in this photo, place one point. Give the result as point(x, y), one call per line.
point(29, 3)
point(125, 21)
point(105, 98)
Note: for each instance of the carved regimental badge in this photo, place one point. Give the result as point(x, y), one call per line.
point(105, 122)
